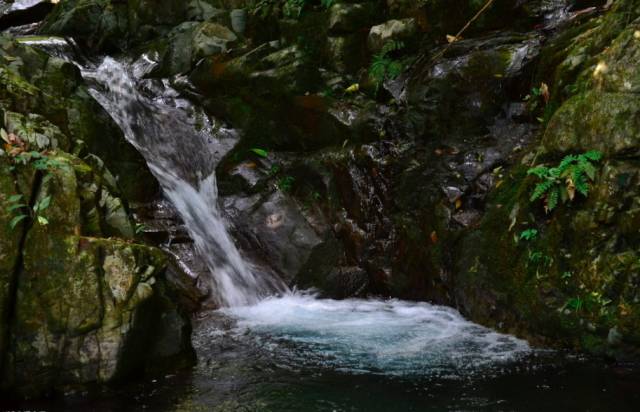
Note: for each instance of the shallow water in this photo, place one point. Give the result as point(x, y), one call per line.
point(298, 353)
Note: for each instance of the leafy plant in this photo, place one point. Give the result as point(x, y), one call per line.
point(529, 234)
point(17, 149)
point(285, 183)
point(17, 205)
point(560, 184)
point(384, 66)
point(539, 258)
point(539, 96)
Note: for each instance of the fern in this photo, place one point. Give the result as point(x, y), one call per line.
point(383, 66)
point(560, 183)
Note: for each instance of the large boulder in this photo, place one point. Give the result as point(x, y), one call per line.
point(79, 308)
point(81, 303)
point(392, 30)
point(190, 42)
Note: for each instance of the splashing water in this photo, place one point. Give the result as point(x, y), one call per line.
point(182, 147)
point(373, 336)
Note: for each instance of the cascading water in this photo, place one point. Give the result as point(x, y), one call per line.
point(182, 147)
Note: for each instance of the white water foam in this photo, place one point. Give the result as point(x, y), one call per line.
point(374, 336)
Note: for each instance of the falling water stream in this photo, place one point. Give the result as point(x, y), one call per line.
point(182, 147)
point(271, 349)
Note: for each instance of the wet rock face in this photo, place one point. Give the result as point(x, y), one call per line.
point(113, 25)
point(382, 189)
point(576, 282)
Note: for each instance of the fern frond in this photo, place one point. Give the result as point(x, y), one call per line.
point(587, 168)
point(566, 163)
point(541, 189)
point(540, 171)
point(593, 155)
point(580, 182)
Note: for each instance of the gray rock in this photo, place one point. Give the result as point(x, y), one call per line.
point(392, 30)
point(614, 337)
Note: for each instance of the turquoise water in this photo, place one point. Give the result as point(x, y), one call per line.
point(299, 353)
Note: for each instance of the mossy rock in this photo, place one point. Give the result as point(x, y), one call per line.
point(84, 312)
point(38, 85)
point(608, 122)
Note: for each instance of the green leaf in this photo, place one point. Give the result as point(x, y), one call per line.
point(43, 220)
point(14, 222)
point(540, 171)
point(594, 155)
point(16, 207)
point(15, 198)
point(44, 203)
point(529, 234)
point(260, 152)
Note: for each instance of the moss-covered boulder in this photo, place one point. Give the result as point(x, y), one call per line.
point(35, 84)
point(79, 307)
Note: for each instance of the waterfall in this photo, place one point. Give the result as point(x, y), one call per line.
point(182, 147)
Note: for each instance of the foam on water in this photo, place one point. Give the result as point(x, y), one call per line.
point(373, 336)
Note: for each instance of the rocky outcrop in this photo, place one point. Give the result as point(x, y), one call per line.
point(80, 301)
point(113, 25)
point(576, 281)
